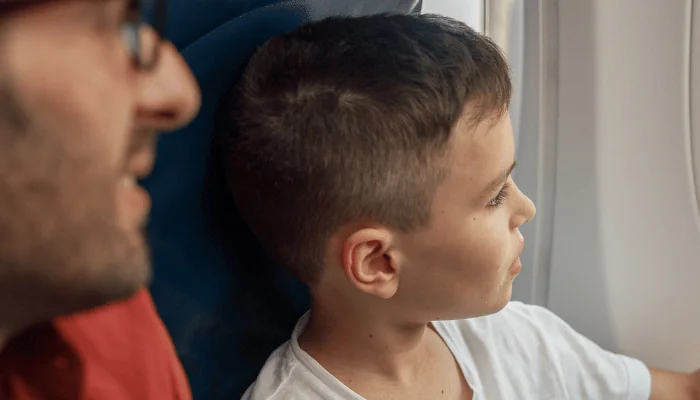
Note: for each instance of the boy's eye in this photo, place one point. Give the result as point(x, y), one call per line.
point(500, 197)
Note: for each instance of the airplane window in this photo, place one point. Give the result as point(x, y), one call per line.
point(503, 21)
point(471, 12)
point(694, 101)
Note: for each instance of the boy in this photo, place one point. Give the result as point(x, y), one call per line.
point(373, 158)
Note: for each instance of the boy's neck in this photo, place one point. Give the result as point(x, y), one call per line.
point(347, 342)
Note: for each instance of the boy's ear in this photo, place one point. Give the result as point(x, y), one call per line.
point(369, 262)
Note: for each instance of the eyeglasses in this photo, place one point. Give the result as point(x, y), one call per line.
point(145, 50)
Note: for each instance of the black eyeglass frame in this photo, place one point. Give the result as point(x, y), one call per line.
point(132, 29)
point(138, 54)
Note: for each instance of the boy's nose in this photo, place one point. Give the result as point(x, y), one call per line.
point(526, 211)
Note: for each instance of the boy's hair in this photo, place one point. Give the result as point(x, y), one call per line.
point(343, 119)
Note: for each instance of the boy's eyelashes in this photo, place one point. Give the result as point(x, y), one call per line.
point(500, 197)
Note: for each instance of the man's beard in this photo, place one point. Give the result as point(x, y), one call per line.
point(61, 248)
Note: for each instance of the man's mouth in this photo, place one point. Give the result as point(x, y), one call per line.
point(141, 155)
point(135, 203)
point(140, 164)
point(129, 181)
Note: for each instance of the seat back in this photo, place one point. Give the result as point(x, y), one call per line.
point(226, 305)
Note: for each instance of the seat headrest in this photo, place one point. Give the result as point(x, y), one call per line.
point(225, 303)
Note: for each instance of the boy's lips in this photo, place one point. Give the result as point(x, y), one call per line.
point(517, 266)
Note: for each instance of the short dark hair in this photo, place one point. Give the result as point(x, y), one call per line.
point(13, 5)
point(341, 120)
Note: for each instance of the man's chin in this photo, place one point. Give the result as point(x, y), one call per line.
point(139, 276)
point(121, 278)
point(114, 290)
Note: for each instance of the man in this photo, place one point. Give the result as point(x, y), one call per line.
point(85, 86)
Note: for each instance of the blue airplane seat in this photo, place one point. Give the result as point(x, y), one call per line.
point(227, 306)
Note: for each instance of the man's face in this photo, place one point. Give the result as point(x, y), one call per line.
point(77, 127)
point(463, 264)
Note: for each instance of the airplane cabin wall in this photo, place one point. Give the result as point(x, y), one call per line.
point(625, 261)
point(695, 96)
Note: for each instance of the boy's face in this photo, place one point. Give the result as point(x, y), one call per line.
point(464, 262)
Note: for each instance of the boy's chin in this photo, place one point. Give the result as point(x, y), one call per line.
point(482, 311)
point(496, 303)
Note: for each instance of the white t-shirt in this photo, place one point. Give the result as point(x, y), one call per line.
point(520, 353)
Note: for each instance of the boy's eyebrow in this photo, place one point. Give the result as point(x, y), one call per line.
point(498, 181)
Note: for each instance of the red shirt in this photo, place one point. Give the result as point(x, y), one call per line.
point(116, 352)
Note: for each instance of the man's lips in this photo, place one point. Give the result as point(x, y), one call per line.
point(140, 164)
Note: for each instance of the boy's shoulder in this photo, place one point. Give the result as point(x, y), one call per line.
point(276, 375)
point(520, 349)
point(291, 374)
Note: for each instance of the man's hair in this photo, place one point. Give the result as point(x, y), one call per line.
point(342, 120)
point(13, 5)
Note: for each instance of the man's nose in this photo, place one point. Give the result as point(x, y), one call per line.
point(168, 95)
